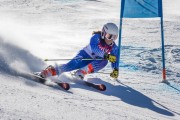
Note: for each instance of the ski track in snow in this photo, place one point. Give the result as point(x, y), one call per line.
point(31, 31)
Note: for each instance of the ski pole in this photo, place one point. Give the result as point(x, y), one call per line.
point(73, 59)
point(115, 79)
point(102, 72)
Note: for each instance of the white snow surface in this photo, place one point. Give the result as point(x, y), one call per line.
point(32, 30)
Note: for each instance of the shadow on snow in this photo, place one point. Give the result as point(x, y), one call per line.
point(127, 95)
point(134, 97)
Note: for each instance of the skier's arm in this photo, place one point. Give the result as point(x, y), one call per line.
point(115, 65)
point(114, 52)
point(94, 42)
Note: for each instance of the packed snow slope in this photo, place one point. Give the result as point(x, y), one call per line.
point(33, 30)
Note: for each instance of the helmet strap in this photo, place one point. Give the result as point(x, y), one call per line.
point(103, 33)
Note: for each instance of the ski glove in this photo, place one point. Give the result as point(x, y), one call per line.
point(110, 57)
point(115, 73)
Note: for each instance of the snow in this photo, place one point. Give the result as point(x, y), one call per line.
point(33, 30)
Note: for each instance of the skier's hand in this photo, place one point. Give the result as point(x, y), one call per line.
point(115, 73)
point(110, 57)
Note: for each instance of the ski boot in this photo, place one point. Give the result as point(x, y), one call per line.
point(49, 71)
point(79, 74)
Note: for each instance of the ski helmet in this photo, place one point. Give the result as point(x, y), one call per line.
point(109, 31)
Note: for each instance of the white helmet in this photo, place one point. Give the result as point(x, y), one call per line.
point(109, 31)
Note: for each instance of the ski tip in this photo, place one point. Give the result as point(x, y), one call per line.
point(65, 86)
point(102, 87)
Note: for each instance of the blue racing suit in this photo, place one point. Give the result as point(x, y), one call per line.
point(95, 49)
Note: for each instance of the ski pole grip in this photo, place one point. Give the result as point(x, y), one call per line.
point(45, 59)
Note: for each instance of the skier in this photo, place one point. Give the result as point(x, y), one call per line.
point(101, 46)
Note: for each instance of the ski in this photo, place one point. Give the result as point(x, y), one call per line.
point(39, 79)
point(100, 87)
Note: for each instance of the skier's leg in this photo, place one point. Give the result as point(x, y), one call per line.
point(91, 68)
point(98, 65)
point(75, 63)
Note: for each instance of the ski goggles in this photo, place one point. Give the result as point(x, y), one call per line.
point(111, 37)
